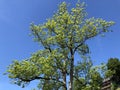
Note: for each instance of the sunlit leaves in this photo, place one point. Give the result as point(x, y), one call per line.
point(23, 69)
point(61, 37)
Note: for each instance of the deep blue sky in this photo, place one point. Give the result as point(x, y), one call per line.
point(15, 42)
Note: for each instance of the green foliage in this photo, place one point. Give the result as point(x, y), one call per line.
point(61, 37)
point(96, 79)
point(89, 76)
point(118, 88)
point(113, 66)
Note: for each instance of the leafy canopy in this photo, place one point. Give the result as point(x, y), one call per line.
point(62, 37)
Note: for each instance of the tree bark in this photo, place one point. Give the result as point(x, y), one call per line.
point(64, 81)
point(71, 70)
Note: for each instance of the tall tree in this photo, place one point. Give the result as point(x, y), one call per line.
point(62, 37)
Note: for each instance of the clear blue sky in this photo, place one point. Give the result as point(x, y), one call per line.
point(15, 42)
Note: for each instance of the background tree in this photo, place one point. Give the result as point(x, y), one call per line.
point(113, 70)
point(88, 76)
point(82, 73)
point(62, 37)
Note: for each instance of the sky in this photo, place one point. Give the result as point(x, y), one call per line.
point(16, 43)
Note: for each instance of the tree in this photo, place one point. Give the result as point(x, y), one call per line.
point(86, 76)
point(96, 79)
point(62, 37)
point(113, 66)
point(82, 73)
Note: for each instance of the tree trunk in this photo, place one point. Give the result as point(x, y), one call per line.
point(71, 71)
point(64, 81)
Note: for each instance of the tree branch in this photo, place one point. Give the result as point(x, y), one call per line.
point(86, 37)
point(83, 84)
point(35, 78)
